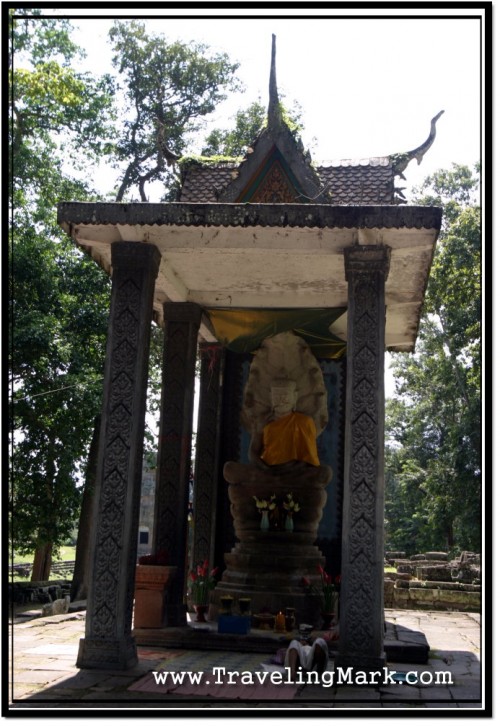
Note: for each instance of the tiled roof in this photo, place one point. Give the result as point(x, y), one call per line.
point(367, 181)
point(204, 183)
point(359, 182)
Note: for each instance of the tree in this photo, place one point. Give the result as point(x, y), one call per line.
point(169, 88)
point(247, 125)
point(58, 298)
point(434, 422)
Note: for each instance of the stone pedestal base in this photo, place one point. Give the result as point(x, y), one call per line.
point(305, 607)
point(268, 565)
point(107, 653)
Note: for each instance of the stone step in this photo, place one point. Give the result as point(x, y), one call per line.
point(401, 645)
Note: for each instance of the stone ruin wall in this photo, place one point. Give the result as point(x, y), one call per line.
point(432, 581)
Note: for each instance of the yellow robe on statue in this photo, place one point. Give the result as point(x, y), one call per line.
point(290, 438)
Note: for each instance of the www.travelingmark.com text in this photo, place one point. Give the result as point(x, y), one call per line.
point(338, 676)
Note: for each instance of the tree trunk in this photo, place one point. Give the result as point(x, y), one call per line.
point(42, 563)
point(450, 539)
point(79, 584)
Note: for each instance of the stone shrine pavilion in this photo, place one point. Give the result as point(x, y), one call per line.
point(253, 250)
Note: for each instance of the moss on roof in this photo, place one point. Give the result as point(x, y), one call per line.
point(192, 160)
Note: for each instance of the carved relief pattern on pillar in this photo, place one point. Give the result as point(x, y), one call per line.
point(110, 605)
point(205, 489)
point(175, 437)
point(230, 446)
point(364, 456)
point(115, 467)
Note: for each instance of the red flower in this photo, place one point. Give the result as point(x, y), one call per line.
point(203, 569)
point(337, 580)
point(202, 583)
point(305, 582)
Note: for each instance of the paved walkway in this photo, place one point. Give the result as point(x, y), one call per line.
point(43, 674)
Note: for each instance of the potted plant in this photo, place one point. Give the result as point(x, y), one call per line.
point(201, 583)
point(328, 593)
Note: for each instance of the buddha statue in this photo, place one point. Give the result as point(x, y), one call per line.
point(284, 410)
point(290, 436)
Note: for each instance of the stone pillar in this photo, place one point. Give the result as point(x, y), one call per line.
point(108, 642)
point(230, 448)
point(361, 642)
point(182, 322)
point(207, 449)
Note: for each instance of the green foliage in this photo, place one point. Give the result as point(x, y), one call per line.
point(64, 119)
point(293, 118)
point(234, 142)
point(53, 106)
point(248, 123)
point(170, 88)
point(434, 422)
point(206, 161)
point(58, 298)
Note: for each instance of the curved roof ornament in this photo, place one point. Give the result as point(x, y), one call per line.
point(273, 110)
point(401, 161)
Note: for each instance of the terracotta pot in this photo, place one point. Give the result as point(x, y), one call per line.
point(150, 590)
point(153, 577)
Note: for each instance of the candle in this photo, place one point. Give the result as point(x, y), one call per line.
point(280, 622)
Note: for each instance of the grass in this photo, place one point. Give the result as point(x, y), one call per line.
point(66, 554)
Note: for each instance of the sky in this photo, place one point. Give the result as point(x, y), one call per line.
point(369, 81)
point(368, 86)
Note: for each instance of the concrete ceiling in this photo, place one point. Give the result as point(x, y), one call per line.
point(267, 256)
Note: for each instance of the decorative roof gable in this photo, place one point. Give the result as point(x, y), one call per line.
point(276, 163)
point(276, 170)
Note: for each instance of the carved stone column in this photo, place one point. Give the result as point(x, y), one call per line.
point(182, 322)
point(362, 606)
point(108, 642)
point(207, 448)
point(230, 448)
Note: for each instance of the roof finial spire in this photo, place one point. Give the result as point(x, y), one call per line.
point(273, 111)
point(402, 160)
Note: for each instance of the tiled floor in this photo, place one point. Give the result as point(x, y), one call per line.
point(43, 674)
